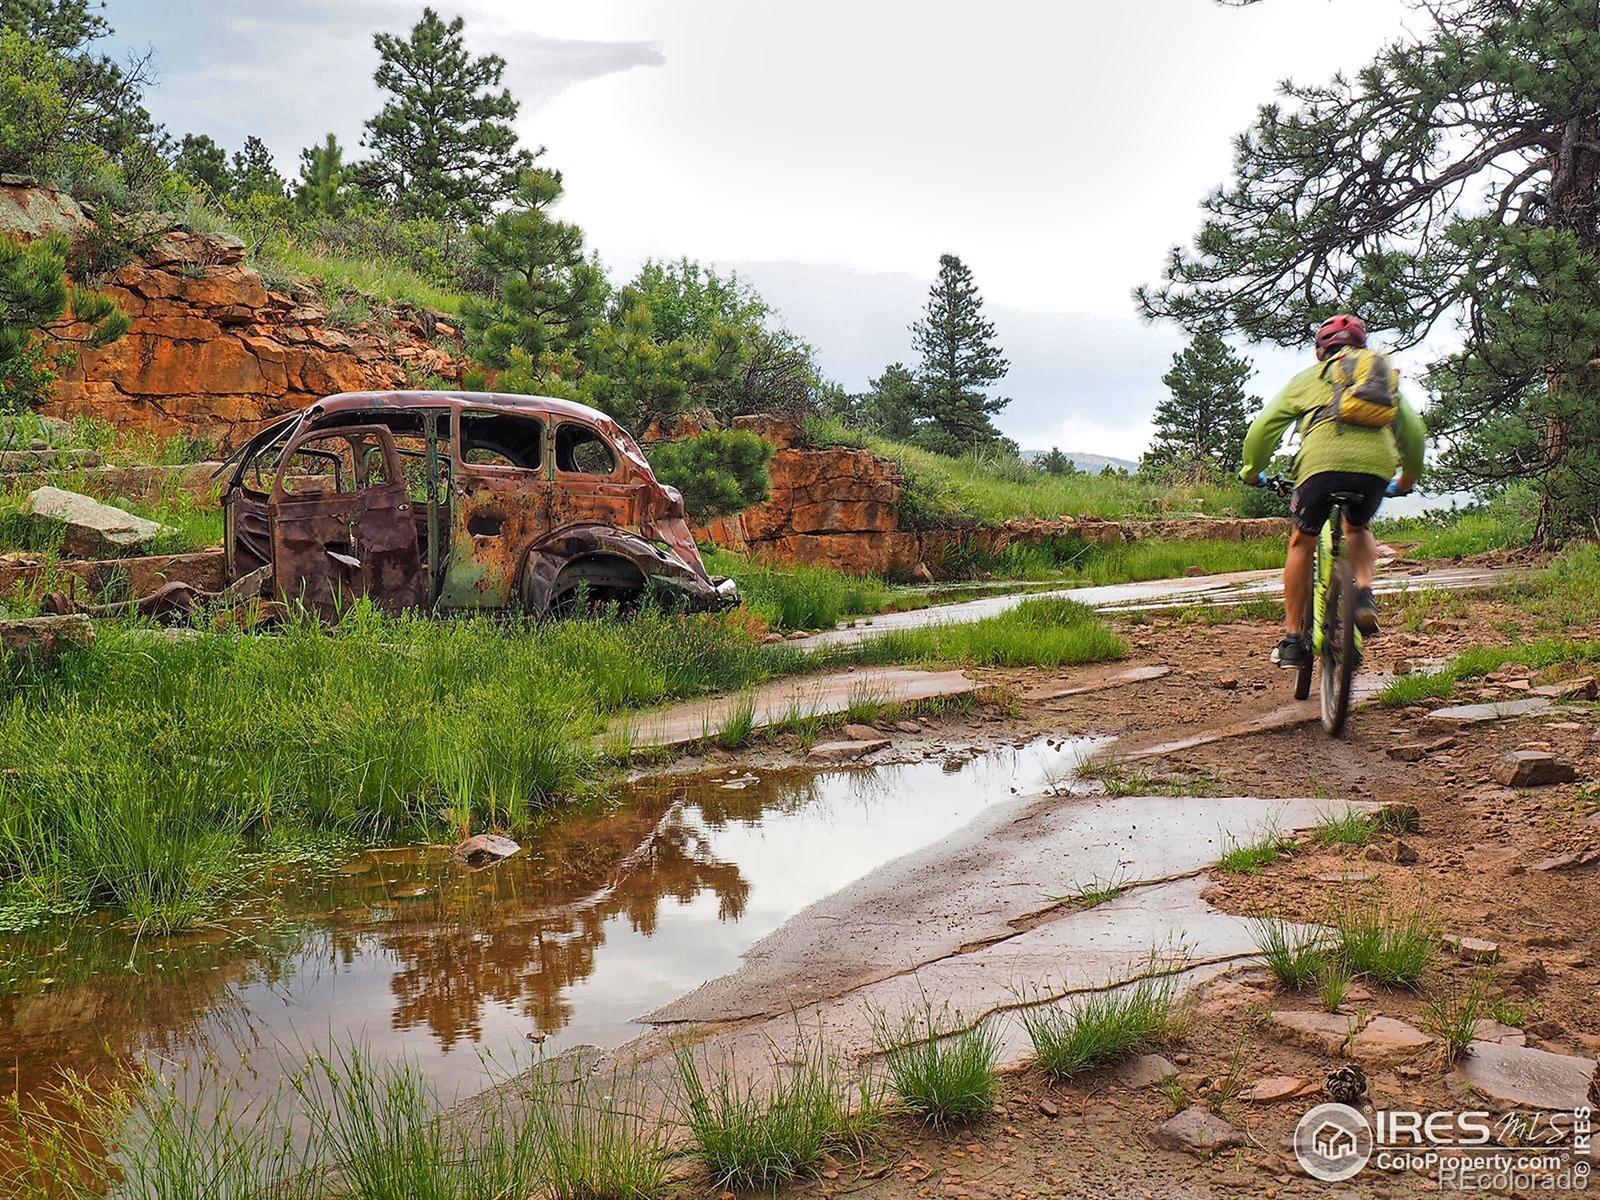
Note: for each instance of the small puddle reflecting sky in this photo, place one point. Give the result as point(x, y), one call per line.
point(604, 917)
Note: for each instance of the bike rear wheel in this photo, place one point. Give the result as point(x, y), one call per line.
point(1341, 656)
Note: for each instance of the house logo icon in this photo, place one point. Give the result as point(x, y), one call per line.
point(1333, 1142)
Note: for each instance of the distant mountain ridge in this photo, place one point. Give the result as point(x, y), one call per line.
point(1092, 463)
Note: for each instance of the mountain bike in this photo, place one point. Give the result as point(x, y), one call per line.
point(1330, 617)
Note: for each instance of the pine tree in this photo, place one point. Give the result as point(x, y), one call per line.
point(254, 171)
point(201, 161)
point(891, 407)
point(1057, 463)
point(549, 293)
point(1456, 177)
point(1202, 421)
point(443, 146)
point(321, 191)
point(35, 297)
point(959, 361)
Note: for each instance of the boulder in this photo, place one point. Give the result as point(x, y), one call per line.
point(40, 639)
point(1534, 768)
point(88, 528)
point(1198, 1131)
point(1521, 1075)
point(483, 850)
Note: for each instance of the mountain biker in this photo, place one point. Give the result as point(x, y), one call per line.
point(1335, 456)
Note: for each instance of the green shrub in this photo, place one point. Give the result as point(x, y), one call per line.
point(719, 473)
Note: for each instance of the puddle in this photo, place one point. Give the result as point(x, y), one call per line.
point(604, 917)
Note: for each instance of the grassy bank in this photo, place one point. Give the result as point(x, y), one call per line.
point(141, 769)
point(789, 598)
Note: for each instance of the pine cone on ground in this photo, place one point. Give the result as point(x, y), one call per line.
point(1346, 1085)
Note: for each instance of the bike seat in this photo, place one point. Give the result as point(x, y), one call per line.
point(1346, 497)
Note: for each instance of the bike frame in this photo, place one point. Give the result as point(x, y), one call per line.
point(1330, 542)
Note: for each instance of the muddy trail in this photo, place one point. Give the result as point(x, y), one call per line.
point(734, 899)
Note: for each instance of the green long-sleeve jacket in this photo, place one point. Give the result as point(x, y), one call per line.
point(1331, 446)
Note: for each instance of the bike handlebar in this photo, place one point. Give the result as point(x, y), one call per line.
point(1285, 487)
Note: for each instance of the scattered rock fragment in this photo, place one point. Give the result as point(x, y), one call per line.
point(88, 528)
point(1145, 1070)
point(1569, 861)
point(1274, 1088)
point(1405, 855)
point(1475, 950)
point(1522, 1075)
point(860, 733)
point(1475, 714)
point(1489, 1030)
point(1049, 1107)
point(907, 727)
point(1198, 1131)
point(848, 750)
point(1534, 768)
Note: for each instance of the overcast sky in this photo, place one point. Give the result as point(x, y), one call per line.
point(832, 151)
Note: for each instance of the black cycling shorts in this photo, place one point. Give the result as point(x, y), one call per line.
point(1313, 499)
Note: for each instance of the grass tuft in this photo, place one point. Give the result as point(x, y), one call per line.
point(1250, 858)
point(1333, 984)
point(1384, 943)
point(942, 1072)
point(1349, 828)
point(1452, 1016)
point(750, 1136)
point(1296, 954)
point(1069, 1040)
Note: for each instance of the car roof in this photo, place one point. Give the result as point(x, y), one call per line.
point(502, 401)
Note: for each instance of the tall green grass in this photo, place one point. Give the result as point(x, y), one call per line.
point(138, 769)
point(800, 597)
point(1038, 632)
point(1096, 1029)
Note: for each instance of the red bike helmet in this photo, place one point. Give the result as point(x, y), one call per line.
point(1343, 330)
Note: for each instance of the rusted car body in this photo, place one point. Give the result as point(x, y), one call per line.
point(457, 500)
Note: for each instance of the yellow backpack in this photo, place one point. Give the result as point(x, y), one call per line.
point(1366, 390)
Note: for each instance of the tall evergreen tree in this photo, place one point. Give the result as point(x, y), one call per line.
point(321, 191)
point(1202, 421)
point(1456, 177)
point(960, 360)
point(201, 161)
point(1057, 463)
point(443, 145)
point(255, 172)
point(549, 293)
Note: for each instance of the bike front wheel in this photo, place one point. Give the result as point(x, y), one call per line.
point(1341, 654)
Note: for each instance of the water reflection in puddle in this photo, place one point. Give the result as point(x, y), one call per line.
point(605, 916)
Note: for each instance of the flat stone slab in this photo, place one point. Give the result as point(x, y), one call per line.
point(1490, 1030)
point(1014, 860)
point(1319, 1032)
point(1474, 714)
point(817, 696)
point(1522, 1075)
point(1131, 675)
point(1143, 1070)
point(90, 529)
point(1197, 1130)
point(1386, 1040)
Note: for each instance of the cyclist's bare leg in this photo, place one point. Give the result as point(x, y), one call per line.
point(1361, 548)
point(1297, 579)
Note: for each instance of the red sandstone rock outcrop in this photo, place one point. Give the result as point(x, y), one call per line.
point(214, 353)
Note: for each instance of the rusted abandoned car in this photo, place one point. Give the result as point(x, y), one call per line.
point(457, 500)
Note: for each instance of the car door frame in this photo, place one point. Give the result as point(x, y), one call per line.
point(329, 548)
